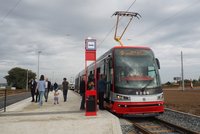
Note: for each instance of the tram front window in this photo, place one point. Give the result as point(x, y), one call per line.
point(135, 69)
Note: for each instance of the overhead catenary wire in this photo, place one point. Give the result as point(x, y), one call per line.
point(157, 25)
point(9, 12)
point(101, 42)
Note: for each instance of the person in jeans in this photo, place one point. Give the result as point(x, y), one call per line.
point(41, 89)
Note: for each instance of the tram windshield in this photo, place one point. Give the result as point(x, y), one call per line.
point(135, 68)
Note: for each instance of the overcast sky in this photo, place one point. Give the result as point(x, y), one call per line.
point(58, 29)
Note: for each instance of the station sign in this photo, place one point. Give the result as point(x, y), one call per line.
point(90, 49)
point(90, 44)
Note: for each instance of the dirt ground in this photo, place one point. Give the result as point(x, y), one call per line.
point(185, 101)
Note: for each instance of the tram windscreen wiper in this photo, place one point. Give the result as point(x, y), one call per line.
point(142, 89)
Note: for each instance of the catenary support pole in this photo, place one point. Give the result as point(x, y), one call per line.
point(182, 72)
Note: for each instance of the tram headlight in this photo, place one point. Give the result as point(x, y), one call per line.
point(121, 97)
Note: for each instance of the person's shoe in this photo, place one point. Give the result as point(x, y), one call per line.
point(54, 103)
point(45, 100)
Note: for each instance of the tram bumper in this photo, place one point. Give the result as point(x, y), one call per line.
point(133, 108)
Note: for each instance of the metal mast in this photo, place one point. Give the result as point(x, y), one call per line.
point(182, 73)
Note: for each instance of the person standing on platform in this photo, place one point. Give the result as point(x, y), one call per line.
point(56, 94)
point(33, 85)
point(91, 83)
point(101, 90)
point(191, 84)
point(55, 86)
point(37, 98)
point(65, 84)
point(41, 89)
point(47, 89)
point(82, 93)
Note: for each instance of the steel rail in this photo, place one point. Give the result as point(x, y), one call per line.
point(156, 126)
point(178, 128)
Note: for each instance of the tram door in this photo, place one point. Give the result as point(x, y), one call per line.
point(98, 77)
point(108, 72)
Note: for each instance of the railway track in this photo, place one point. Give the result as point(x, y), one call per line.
point(157, 126)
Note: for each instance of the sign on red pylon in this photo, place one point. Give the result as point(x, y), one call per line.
point(90, 86)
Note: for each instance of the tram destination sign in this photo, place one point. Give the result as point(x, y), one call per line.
point(132, 52)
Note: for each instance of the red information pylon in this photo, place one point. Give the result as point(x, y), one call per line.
point(90, 86)
point(91, 107)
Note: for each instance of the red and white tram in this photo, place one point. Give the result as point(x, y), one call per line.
point(135, 86)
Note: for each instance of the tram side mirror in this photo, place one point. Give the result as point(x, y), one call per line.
point(158, 63)
point(109, 58)
point(109, 61)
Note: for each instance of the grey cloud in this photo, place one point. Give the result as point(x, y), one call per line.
point(58, 29)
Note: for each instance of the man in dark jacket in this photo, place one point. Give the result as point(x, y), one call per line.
point(33, 85)
point(65, 84)
point(47, 89)
point(82, 93)
point(55, 86)
point(101, 90)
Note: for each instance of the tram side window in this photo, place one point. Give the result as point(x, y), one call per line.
point(102, 69)
point(111, 75)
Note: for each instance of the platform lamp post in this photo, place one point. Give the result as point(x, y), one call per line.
point(38, 71)
point(27, 81)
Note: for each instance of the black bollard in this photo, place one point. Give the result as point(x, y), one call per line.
point(5, 98)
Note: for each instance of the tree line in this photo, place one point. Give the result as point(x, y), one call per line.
point(17, 77)
point(187, 82)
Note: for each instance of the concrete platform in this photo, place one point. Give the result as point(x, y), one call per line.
point(27, 117)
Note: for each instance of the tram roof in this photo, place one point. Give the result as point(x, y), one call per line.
point(144, 47)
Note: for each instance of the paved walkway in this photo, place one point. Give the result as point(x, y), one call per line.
point(64, 118)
